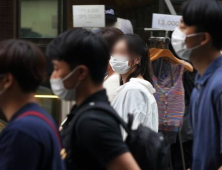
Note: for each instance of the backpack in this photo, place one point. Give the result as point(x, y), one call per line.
point(147, 147)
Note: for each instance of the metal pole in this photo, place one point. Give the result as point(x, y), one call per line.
point(170, 7)
point(181, 149)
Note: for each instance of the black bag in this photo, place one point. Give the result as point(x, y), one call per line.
point(147, 147)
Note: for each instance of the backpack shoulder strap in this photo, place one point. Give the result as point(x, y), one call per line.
point(103, 106)
point(44, 118)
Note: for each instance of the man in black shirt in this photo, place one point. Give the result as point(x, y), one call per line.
point(80, 60)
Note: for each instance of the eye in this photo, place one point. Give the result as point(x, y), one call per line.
point(56, 68)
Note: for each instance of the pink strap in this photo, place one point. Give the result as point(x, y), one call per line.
point(33, 113)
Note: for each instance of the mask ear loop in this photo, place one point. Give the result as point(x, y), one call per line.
point(192, 35)
point(195, 34)
point(73, 71)
point(77, 84)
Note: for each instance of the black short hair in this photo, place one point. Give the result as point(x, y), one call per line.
point(25, 61)
point(81, 47)
point(206, 15)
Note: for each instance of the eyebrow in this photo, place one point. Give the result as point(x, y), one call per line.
point(54, 62)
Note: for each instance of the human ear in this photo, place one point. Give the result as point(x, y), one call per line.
point(137, 60)
point(83, 72)
point(206, 38)
point(8, 80)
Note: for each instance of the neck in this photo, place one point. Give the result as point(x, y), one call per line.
point(85, 91)
point(110, 72)
point(13, 104)
point(125, 76)
point(202, 62)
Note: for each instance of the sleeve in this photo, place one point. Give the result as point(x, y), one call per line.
point(219, 112)
point(102, 137)
point(19, 151)
point(137, 103)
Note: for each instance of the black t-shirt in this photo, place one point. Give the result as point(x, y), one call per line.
point(97, 138)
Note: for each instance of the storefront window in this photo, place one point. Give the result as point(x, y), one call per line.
point(139, 13)
point(39, 18)
point(50, 102)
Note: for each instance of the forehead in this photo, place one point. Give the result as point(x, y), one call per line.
point(60, 63)
point(120, 43)
point(186, 28)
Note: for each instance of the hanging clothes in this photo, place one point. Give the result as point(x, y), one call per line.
point(170, 99)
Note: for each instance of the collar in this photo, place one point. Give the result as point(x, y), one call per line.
point(201, 80)
point(23, 109)
point(96, 97)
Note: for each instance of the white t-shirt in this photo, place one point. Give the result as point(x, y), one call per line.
point(111, 85)
point(136, 97)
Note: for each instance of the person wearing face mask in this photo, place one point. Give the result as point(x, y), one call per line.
point(92, 138)
point(131, 60)
point(31, 140)
point(112, 80)
point(199, 40)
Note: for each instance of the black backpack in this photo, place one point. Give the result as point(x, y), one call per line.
point(147, 147)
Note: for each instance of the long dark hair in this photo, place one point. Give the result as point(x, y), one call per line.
point(138, 47)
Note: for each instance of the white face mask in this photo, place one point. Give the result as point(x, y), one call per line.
point(119, 64)
point(59, 89)
point(179, 45)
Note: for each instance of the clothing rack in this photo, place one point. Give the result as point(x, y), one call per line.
point(166, 41)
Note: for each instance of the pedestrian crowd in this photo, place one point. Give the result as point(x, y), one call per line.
point(108, 74)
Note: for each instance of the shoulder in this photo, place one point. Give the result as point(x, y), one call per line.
point(134, 87)
point(12, 137)
point(98, 116)
point(115, 76)
point(215, 84)
point(131, 85)
point(32, 126)
point(96, 121)
point(135, 92)
point(217, 78)
point(113, 80)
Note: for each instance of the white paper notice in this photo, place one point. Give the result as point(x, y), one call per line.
point(89, 16)
point(167, 22)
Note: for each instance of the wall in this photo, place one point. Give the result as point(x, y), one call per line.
point(7, 19)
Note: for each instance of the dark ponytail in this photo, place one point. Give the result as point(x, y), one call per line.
point(138, 47)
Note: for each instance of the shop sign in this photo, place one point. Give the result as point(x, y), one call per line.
point(166, 22)
point(89, 16)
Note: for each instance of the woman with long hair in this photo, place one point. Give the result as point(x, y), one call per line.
point(130, 58)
